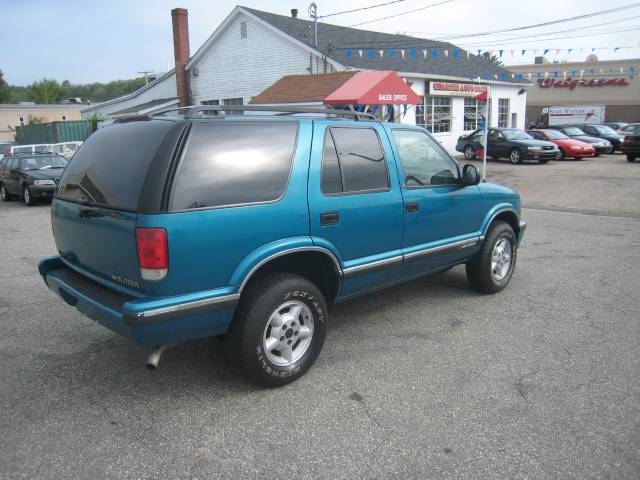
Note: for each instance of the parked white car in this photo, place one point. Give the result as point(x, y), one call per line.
point(631, 129)
point(66, 149)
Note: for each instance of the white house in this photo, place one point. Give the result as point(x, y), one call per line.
point(252, 49)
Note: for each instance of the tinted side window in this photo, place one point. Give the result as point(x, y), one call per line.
point(112, 165)
point(331, 176)
point(234, 163)
point(423, 161)
point(362, 162)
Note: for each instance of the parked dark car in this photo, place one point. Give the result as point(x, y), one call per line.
point(604, 131)
point(600, 144)
point(512, 143)
point(616, 125)
point(30, 176)
point(631, 147)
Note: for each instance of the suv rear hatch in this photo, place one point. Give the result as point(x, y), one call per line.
point(95, 208)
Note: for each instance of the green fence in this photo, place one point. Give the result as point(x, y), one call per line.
point(54, 132)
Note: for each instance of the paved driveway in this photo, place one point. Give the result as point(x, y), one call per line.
point(425, 380)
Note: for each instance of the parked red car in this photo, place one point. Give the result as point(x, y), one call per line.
point(569, 147)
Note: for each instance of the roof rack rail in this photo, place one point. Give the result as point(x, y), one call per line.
point(192, 111)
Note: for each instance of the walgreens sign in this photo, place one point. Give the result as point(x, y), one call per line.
point(573, 83)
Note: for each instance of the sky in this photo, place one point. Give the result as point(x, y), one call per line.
point(87, 41)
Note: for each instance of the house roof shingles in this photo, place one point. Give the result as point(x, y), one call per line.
point(334, 41)
point(302, 88)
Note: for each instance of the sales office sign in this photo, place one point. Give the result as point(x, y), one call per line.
point(448, 89)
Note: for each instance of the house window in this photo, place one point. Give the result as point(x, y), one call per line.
point(21, 121)
point(472, 114)
point(233, 101)
point(503, 112)
point(438, 114)
point(243, 29)
point(210, 102)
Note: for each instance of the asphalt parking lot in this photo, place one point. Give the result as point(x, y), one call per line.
point(424, 380)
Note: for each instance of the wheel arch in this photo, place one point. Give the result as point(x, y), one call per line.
point(317, 264)
point(506, 214)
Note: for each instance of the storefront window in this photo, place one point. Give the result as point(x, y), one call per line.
point(420, 115)
point(503, 112)
point(438, 114)
point(472, 114)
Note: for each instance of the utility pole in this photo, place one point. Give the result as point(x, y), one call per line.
point(146, 75)
point(313, 13)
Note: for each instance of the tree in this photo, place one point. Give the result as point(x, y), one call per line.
point(492, 58)
point(5, 90)
point(46, 91)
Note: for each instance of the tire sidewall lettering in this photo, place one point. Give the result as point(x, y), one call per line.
point(292, 370)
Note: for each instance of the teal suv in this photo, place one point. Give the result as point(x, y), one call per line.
point(194, 224)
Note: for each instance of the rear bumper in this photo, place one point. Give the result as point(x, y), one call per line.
point(631, 149)
point(149, 321)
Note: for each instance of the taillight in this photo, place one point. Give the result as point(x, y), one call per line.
point(627, 140)
point(153, 252)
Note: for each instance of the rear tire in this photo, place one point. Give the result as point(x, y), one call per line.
point(26, 195)
point(631, 158)
point(278, 330)
point(515, 156)
point(6, 197)
point(492, 267)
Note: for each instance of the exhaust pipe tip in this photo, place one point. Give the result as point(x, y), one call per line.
point(153, 360)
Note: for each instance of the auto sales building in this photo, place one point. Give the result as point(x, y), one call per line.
point(612, 83)
point(252, 50)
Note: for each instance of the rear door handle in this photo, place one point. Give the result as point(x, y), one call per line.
point(329, 218)
point(90, 213)
point(412, 207)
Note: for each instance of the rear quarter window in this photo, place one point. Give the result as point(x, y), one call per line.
point(234, 163)
point(111, 167)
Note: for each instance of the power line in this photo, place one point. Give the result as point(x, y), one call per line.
point(360, 9)
point(400, 14)
point(446, 36)
point(630, 29)
point(553, 22)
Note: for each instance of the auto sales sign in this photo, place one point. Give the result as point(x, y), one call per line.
point(449, 89)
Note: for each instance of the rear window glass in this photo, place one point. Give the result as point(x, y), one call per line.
point(112, 164)
point(234, 163)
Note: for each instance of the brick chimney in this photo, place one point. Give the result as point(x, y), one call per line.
point(180, 21)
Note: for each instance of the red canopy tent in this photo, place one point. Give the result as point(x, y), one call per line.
point(374, 88)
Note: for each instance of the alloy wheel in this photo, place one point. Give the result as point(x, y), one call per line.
point(501, 259)
point(469, 154)
point(288, 333)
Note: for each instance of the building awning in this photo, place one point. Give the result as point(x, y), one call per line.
point(374, 88)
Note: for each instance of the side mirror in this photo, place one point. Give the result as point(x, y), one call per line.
point(470, 175)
